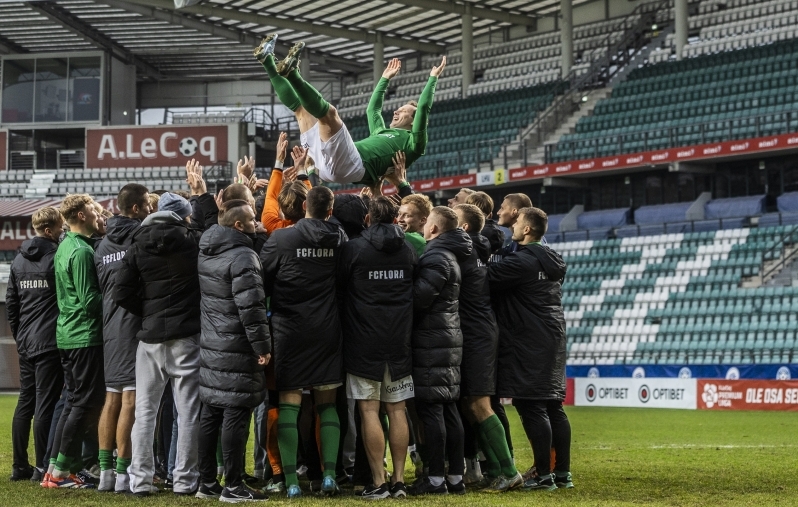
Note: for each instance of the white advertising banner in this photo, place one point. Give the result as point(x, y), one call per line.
point(635, 392)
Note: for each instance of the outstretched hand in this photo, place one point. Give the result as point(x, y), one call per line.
point(437, 71)
point(282, 147)
point(398, 175)
point(299, 154)
point(393, 68)
point(194, 178)
point(246, 167)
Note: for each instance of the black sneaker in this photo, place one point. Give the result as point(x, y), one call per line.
point(242, 494)
point(248, 479)
point(398, 490)
point(425, 487)
point(209, 491)
point(456, 489)
point(373, 492)
point(21, 474)
point(37, 475)
point(88, 477)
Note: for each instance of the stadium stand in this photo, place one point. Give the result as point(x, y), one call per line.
point(106, 182)
point(733, 95)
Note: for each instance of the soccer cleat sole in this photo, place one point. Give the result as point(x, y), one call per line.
point(291, 61)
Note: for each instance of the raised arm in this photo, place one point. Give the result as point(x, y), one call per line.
point(374, 109)
point(270, 218)
point(421, 118)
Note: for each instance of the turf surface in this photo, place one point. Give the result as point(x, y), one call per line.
point(620, 457)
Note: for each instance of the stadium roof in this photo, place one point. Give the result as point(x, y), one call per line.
point(213, 40)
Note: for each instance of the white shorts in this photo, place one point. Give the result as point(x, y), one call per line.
point(119, 389)
point(359, 388)
point(337, 160)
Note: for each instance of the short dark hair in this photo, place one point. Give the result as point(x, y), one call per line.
point(319, 202)
point(482, 201)
point(473, 216)
point(130, 195)
point(291, 198)
point(519, 200)
point(236, 191)
point(381, 211)
point(232, 211)
point(182, 193)
point(536, 218)
point(448, 220)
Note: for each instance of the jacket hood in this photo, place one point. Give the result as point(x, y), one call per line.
point(456, 241)
point(482, 245)
point(162, 233)
point(36, 248)
point(350, 212)
point(321, 232)
point(387, 238)
point(219, 239)
point(550, 260)
point(119, 229)
point(494, 234)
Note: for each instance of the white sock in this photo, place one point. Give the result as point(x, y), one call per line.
point(435, 481)
point(122, 482)
point(454, 479)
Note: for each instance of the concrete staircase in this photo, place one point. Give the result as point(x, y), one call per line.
point(39, 184)
point(787, 276)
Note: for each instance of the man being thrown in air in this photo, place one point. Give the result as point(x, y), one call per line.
point(338, 158)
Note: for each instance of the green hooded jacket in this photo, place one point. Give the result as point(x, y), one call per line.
point(80, 318)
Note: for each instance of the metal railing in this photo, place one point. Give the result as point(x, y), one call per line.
point(706, 135)
point(602, 67)
point(788, 238)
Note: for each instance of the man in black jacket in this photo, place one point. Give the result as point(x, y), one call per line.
point(526, 288)
point(506, 217)
point(299, 265)
point(376, 280)
point(480, 347)
point(32, 314)
point(119, 340)
point(158, 280)
point(491, 230)
point(235, 345)
point(438, 351)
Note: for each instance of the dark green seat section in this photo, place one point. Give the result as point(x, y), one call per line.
point(708, 99)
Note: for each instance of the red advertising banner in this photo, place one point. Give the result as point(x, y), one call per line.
point(747, 394)
point(166, 145)
point(3, 150)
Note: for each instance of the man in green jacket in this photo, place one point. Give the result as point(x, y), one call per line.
point(338, 158)
point(79, 338)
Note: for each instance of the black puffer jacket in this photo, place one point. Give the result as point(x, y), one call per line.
point(375, 276)
point(494, 234)
point(119, 325)
point(437, 339)
point(480, 332)
point(158, 279)
point(204, 211)
point(31, 302)
point(299, 265)
point(235, 329)
point(526, 291)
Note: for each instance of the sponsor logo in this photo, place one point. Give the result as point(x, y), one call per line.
point(586, 165)
point(659, 156)
point(426, 185)
point(402, 386)
point(739, 147)
point(713, 150)
point(113, 257)
point(519, 174)
point(315, 252)
point(732, 374)
point(447, 183)
point(685, 153)
point(792, 140)
point(644, 393)
point(34, 284)
point(768, 144)
point(150, 149)
point(390, 274)
point(634, 160)
point(538, 172)
point(639, 372)
point(465, 181)
point(562, 168)
point(783, 373)
point(485, 178)
point(685, 373)
point(710, 395)
point(590, 392)
point(593, 372)
point(610, 163)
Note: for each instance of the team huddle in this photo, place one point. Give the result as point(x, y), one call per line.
point(148, 339)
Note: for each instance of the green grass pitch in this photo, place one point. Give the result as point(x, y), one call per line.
point(620, 457)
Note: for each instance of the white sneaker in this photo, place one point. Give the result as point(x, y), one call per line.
point(106, 481)
point(473, 472)
point(122, 483)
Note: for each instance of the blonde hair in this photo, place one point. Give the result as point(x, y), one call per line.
point(291, 198)
point(154, 198)
point(482, 201)
point(473, 216)
point(46, 217)
point(74, 204)
point(420, 201)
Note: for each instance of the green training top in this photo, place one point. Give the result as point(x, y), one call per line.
point(378, 149)
point(77, 289)
point(417, 241)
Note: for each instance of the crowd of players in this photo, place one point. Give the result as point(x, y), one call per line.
point(148, 339)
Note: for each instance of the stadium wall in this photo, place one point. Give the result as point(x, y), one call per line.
point(3, 150)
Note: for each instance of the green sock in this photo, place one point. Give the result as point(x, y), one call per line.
point(310, 98)
point(494, 435)
point(62, 463)
point(106, 459)
point(492, 468)
point(282, 87)
point(330, 431)
point(122, 464)
point(288, 441)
